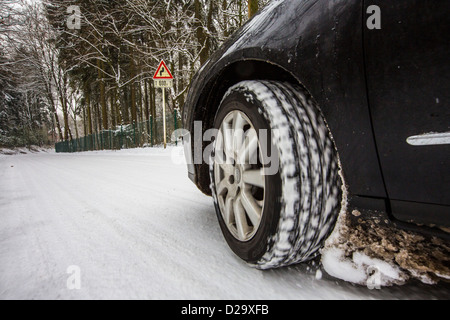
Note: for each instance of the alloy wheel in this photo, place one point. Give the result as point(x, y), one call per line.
point(239, 176)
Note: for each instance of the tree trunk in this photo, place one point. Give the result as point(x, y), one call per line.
point(126, 106)
point(133, 88)
point(85, 126)
point(89, 111)
point(63, 96)
point(200, 33)
point(253, 7)
point(240, 13)
point(76, 127)
point(224, 21)
point(55, 116)
point(119, 117)
point(112, 102)
point(100, 66)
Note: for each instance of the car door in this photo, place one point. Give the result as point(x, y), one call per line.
point(408, 82)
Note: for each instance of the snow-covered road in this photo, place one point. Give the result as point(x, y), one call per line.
point(135, 227)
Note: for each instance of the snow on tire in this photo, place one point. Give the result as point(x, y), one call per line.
point(302, 200)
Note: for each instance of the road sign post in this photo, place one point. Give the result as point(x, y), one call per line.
point(164, 117)
point(163, 79)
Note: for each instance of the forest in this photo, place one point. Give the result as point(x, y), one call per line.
point(74, 68)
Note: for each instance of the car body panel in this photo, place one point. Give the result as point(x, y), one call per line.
point(319, 44)
point(408, 78)
point(305, 49)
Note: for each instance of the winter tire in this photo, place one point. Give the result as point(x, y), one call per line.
point(274, 220)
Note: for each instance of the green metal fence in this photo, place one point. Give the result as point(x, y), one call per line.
point(148, 133)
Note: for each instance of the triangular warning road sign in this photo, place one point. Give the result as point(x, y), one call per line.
point(162, 72)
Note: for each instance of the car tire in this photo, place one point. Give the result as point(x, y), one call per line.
point(300, 203)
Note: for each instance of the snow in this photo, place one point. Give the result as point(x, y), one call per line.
point(335, 265)
point(377, 253)
point(4, 152)
point(135, 227)
point(355, 270)
point(319, 274)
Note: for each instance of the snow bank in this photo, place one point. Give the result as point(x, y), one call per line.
point(372, 252)
point(355, 266)
point(16, 151)
point(360, 268)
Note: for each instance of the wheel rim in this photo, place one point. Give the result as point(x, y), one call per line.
point(239, 176)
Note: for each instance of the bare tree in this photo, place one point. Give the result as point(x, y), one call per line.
point(102, 72)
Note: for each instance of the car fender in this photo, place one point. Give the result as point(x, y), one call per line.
point(319, 45)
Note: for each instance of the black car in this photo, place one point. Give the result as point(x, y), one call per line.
point(353, 95)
